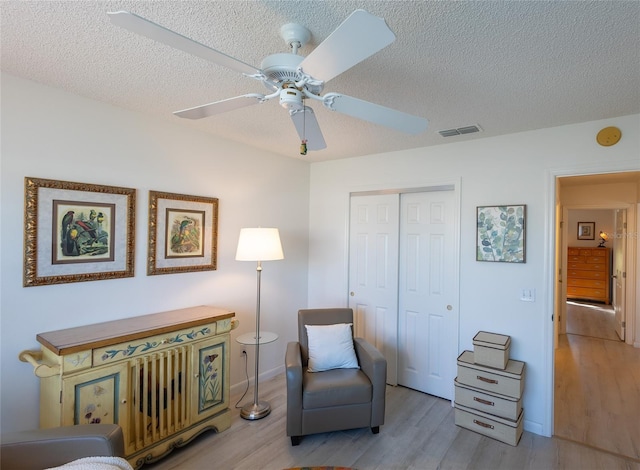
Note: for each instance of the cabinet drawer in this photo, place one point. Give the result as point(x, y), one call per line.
point(587, 293)
point(492, 403)
point(507, 382)
point(586, 274)
point(587, 267)
point(151, 344)
point(593, 283)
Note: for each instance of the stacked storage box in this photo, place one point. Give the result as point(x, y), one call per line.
point(489, 389)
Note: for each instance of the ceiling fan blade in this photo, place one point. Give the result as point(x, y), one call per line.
point(144, 27)
point(359, 36)
point(375, 113)
point(308, 128)
point(220, 107)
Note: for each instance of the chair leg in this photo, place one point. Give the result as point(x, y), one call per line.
point(295, 440)
point(375, 430)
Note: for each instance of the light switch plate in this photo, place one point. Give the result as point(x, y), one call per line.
point(528, 295)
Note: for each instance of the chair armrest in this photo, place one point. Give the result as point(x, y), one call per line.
point(53, 447)
point(374, 365)
point(293, 367)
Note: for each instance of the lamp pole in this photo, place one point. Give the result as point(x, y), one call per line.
point(257, 409)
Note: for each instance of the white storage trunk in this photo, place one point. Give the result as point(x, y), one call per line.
point(492, 403)
point(491, 349)
point(503, 430)
point(509, 382)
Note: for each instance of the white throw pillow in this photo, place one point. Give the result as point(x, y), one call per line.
point(331, 347)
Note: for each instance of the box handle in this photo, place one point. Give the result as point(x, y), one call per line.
point(484, 402)
point(484, 379)
point(484, 425)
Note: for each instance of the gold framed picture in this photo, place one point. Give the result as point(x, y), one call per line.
point(183, 233)
point(77, 232)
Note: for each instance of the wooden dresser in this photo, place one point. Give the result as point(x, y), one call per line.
point(164, 377)
point(588, 274)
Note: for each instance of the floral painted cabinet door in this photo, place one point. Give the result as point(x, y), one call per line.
point(99, 396)
point(210, 374)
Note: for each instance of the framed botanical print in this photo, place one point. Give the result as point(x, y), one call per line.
point(183, 233)
point(77, 232)
point(500, 234)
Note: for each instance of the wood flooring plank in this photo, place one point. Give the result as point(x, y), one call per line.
point(420, 433)
point(597, 394)
point(431, 441)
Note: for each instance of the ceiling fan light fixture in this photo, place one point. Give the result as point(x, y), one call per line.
point(291, 98)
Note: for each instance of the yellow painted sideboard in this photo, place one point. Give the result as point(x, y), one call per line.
point(164, 377)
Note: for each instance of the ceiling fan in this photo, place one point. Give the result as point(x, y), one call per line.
point(293, 78)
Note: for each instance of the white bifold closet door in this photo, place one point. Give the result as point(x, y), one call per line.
point(402, 284)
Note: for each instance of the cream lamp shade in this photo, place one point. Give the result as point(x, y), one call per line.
point(259, 244)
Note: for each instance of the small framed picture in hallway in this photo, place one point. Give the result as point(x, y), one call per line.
point(586, 230)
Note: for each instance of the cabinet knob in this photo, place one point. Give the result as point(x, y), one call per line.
point(352, 294)
point(196, 375)
point(124, 401)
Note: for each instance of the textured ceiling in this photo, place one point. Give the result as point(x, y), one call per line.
point(508, 66)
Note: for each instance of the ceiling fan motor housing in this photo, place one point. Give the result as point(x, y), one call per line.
point(283, 67)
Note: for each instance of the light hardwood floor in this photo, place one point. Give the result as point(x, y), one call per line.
point(595, 320)
point(597, 385)
point(419, 434)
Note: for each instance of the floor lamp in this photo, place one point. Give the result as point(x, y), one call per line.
point(258, 244)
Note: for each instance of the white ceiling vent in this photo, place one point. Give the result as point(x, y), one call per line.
point(460, 131)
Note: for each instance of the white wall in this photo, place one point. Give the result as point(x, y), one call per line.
point(603, 219)
point(48, 133)
point(512, 169)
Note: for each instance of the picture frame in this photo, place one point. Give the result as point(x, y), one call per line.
point(501, 233)
point(586, 230)
point(183, 233)
point(77, 232)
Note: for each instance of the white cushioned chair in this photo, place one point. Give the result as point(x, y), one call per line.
point(348, 396)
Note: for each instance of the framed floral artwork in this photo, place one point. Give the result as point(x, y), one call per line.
point(183, 233)
point(77, 232)
point(501, 233)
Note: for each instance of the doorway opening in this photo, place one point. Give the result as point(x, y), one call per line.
point(594, 400)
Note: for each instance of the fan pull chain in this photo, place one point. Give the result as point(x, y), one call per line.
point(303, 144)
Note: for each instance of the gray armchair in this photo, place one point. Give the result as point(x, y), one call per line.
point(336, 399)
point(53, 447)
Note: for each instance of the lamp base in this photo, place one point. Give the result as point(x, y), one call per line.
point(255, 411)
